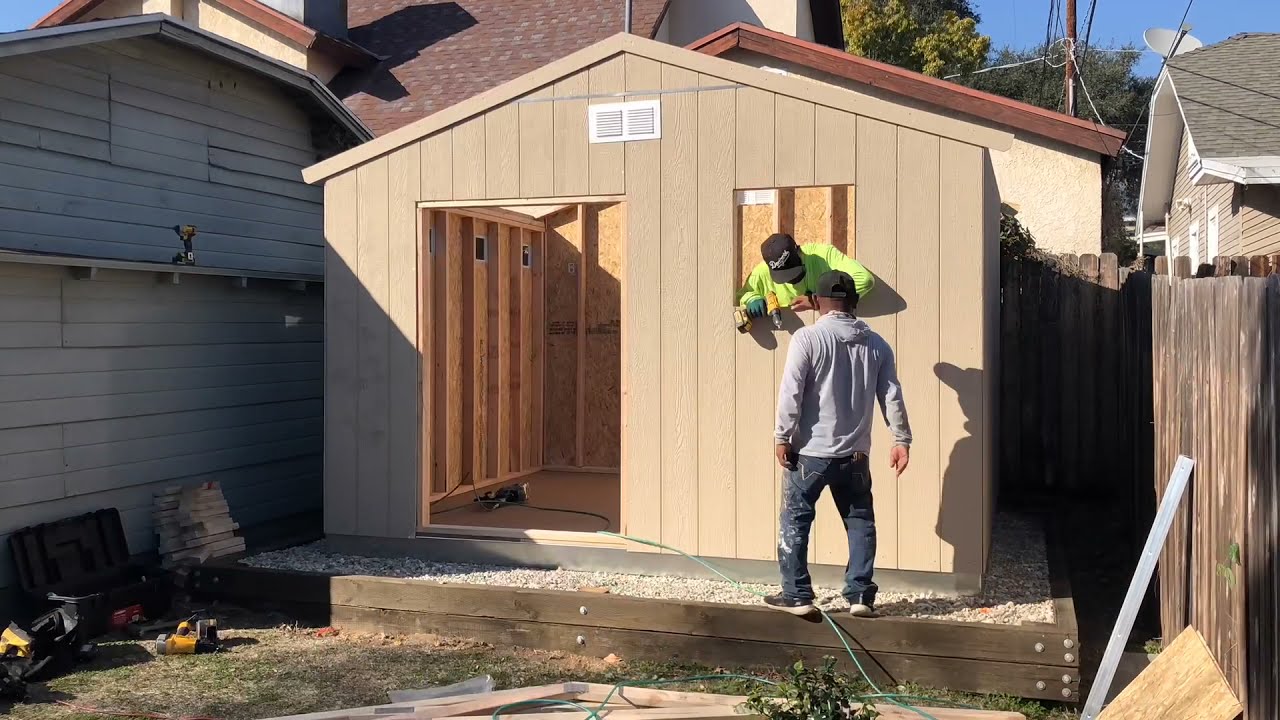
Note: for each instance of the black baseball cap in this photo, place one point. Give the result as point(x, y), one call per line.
point(782, 255)
point(836, 284)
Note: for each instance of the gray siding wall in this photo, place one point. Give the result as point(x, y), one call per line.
point(115, 387)
point(104, 150)
point(1222, 196)
point(1260, 220)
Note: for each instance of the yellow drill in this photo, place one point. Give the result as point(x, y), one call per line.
point(775, 310)
point(193, 637)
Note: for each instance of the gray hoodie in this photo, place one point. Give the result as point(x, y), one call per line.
point(836, 369)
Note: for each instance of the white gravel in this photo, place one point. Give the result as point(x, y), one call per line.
point(1017, 587)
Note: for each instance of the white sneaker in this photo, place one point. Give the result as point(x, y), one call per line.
point(860, 610)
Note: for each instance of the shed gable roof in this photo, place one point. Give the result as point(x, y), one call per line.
point(834, 97)
point(1230, 95)
point(945, 95)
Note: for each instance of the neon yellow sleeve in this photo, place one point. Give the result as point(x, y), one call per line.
point(758, 283)
point(863, 280)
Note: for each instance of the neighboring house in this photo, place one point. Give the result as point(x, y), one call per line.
point(1211, 179)
point(1052, 175)
point(122, 373)
point(396, 61)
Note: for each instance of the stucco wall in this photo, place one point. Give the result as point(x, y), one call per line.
point(688, 20)
point(1057, 188)
point(214, 18)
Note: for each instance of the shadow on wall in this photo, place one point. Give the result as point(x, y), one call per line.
point(399, 37)
point(956, 514)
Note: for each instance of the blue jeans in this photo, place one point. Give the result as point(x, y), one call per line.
point(850, 483)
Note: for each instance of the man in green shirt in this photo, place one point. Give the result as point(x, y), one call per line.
point(791, 272)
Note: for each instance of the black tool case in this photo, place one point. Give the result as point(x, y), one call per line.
point(83, 564)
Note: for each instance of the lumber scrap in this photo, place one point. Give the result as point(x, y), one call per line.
point(1183, 683)
point(194, 523)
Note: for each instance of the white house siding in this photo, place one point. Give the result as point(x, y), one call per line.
point(1195, 212)
point(103, 151)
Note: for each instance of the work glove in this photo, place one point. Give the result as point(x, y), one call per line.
point(756, 308)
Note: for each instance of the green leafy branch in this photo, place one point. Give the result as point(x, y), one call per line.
point(1226, 570)
point(818, 693)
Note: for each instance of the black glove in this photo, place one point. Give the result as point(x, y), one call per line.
point(756, 308)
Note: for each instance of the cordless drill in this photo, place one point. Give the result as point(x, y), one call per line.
point(186, 233)
point(192, 637)
point(775, 310)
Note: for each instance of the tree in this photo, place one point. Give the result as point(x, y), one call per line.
point(935, 37)
point(1118, 93)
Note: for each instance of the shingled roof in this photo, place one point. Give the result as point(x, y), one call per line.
point(1230, 95)
point(441, 53)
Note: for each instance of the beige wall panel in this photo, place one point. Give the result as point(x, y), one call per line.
point(570, 130)
point(812, 210)
point(917, 347)
point(508, 251)
point(877, 230)
point(605, 160)
point(960, 417)
point(404, 375)
point(502, 152)
point(437, 166)
point(717, 285)
point(678, 286)
point(836, 134)
point(642, 328)
point(373, 334)
point(537, 146)
point(793, 143)
point(563, 267)
point(603, 306)
point(755, 398)
point(754, 152)
point(469, 160)
point(341, 367)
point(455, 247)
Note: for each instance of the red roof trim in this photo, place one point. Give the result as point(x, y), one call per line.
point(985, 106)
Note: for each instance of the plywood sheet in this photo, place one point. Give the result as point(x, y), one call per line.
point(518, 345)
point(842, 218)
point(533, 294)
point(602, 402)
point(560, 328)
point(812, 215)
point(1183, 683)
point(756, 223)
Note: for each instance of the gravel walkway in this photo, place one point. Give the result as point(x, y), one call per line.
point(1017, 586)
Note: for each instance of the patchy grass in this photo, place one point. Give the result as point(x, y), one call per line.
point(287, 670)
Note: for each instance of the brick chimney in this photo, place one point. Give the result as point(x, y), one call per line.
point(327, 16)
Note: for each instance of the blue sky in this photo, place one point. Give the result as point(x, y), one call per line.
point(1009, 22)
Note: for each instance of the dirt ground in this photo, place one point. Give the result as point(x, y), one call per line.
point(272, 667)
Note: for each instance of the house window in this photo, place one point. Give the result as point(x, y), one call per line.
point(1193, 239)
point(1211, 227)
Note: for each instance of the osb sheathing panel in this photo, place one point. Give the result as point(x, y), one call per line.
point(757, 224)
point(560, 410)
point(603, 377)
point(812, 215)
point(842, 223)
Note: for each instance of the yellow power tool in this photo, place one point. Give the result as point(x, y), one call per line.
point(742, 320)
point(774, 309)
point(192, 637)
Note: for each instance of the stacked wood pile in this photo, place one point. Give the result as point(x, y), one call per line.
point(608, 702)
point(194, 524)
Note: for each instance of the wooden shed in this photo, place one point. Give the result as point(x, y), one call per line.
point(536, 287)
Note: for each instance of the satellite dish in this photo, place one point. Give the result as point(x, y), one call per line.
point(1162, 40)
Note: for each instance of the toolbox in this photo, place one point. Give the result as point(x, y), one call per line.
point(82, 564)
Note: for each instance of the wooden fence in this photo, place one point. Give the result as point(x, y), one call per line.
point(1216, 350)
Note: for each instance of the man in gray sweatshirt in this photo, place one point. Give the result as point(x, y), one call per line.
point(836, 370)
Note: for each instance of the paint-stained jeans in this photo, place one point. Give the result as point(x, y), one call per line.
point(850, 483)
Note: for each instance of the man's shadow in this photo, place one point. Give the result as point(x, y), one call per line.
point(956, 515)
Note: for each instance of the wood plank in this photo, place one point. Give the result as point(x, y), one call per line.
point(794, 137)
point(508, 245)
point(642, 332)
point(836, 133)
point(532, 343)
point(1183, 682)
point(404, 371)
point(455, 253)
point(570, 132)
point(755, 134)
point(426, 365)
point(469, 161)
point(587, 246)
point(677, 283)
point(537, 146)
point(877, 229)
point(437, 166)
point(478, 376)
point(917, 350)
point(884, 668)
point(606, 160)
point(372, 342)
point(516, 350)
point(502, 152)
point(717, 256)
point(493, 447)
point(440, 330)
point(342, 381)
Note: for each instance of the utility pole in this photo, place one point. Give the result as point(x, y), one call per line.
point(1070, 46)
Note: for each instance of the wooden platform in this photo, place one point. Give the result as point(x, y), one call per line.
point(1032, 661)
point(556, 500)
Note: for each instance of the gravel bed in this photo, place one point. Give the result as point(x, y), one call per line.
point(1017, 587)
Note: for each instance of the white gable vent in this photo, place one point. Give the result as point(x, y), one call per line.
point(620, 122)
point(757, 197)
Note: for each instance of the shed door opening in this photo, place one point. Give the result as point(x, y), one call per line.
point(522, 368)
